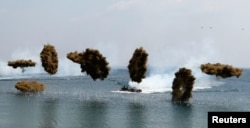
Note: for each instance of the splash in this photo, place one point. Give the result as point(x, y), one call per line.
point(162, 82)
point(153, 84)
point(190, 55)
point(160, 79)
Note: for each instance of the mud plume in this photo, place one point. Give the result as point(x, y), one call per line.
point(49, 59)
point(221, 70)
point(75, 57)
point(21, 63)
point(94, 64)
point(137, 65)
point(30, 86)
point(182, 85)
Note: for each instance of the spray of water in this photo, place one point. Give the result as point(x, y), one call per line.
point(157, 80)
point(160, 80)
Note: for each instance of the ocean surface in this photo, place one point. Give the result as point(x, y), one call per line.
point(76, 101)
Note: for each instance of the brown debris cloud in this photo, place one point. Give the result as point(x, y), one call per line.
point(21, 63)
point(182, 85)
point(75, 57)
point(221, 70)
point(30, 86)
point(137, 65)
point(49, 59)
point(92, 62)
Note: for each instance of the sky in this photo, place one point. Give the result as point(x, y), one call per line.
point(173, 32)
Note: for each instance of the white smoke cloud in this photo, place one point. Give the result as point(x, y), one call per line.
point(160, 79)
point(65, 67)
point(162, 27)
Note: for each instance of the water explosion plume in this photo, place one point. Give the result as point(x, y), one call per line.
point(91, 61)
point(182, 85)
point(221, 70)
point(21, 63)
point(30, 86)
point(49, 59)
point(137, 65)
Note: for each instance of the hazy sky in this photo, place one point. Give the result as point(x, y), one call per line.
point(174, 32)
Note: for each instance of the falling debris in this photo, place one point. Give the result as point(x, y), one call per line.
point(49, 59)
point(182, 85)
point(75, 57)
point(92, 62)
point(30, 86)
point(22, 64)
point(137, 65)
point(221, 70)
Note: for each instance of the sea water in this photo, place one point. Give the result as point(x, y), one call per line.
point(79, 102)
